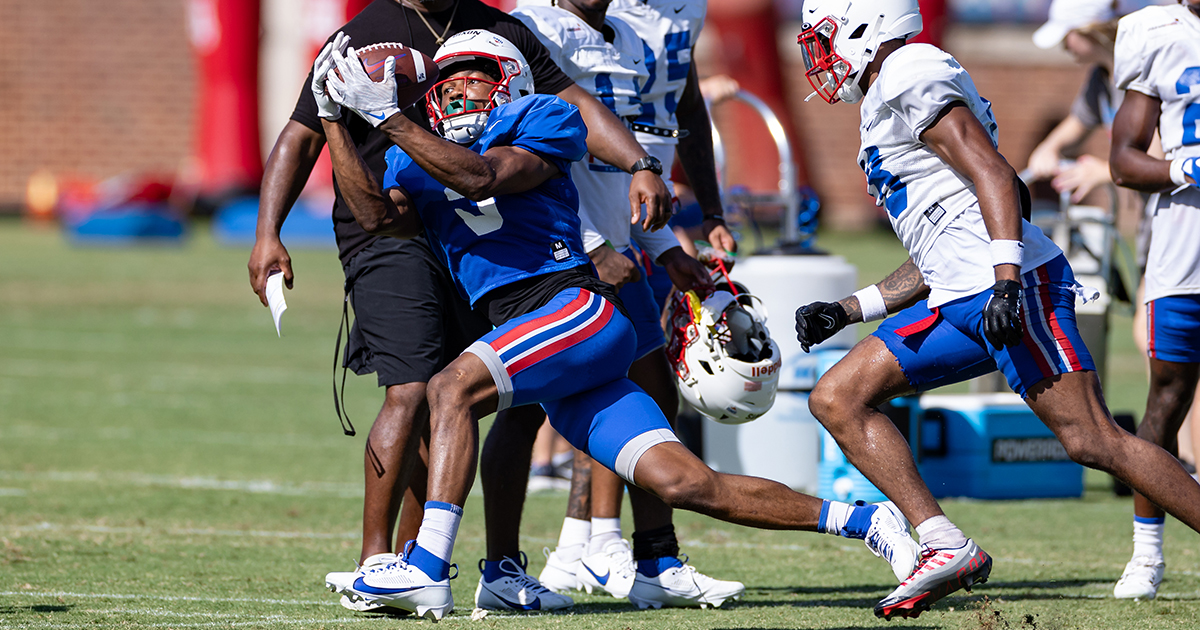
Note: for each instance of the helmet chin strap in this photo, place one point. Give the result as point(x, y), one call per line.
point(868, 52)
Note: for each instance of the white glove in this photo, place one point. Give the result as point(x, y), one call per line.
point(375, 102)
point(326, 106)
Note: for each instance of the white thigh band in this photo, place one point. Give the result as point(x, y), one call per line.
point(633, 450)
point(504, 386)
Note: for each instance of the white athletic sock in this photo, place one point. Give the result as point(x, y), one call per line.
point(439, 527)
point(604, 531)
point(1148, 537)
point(833, 517)
point(573, 539)
point(939, 533)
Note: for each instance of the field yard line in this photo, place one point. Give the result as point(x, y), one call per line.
point(253, 486)
point(238, 533)
point(209, 624)
point(172, 598)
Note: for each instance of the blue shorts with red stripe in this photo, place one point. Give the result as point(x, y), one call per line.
point(953, 348)
point(571, 356)
point(934, 356)
point(644, 310)
point(1173, 328)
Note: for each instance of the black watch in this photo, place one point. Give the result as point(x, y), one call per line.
point(648, 163)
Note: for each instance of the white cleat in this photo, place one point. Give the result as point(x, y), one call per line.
point(682, 586)
point(559, 575)
point(1141, 578)
point(888, 538)
point(611, 570)
point(337, 581)
point(516, 590)
point(399, 584)
point(363, 606)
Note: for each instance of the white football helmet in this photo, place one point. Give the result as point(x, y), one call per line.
point(462, 120)
point(840, 37)
point(726, 364)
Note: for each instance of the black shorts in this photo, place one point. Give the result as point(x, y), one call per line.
point(409, 321)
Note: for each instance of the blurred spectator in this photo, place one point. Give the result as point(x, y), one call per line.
point(1087, 29)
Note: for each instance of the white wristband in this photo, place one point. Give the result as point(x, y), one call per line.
point(870, 300)
point(1005, 252)
point(1177, 175)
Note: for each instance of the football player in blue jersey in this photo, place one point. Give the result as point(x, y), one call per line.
point(499, 206)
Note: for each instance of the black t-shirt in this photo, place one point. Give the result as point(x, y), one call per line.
point(389, 21)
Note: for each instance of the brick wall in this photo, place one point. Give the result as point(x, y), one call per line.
point(92, 88)
point(104, 88)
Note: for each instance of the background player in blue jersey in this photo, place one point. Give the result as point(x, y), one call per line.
point(561, 340)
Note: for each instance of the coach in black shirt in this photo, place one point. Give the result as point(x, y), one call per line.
point(409, 320)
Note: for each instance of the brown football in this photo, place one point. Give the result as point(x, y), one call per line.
point(415, 71)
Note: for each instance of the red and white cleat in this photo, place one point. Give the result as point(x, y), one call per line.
point(939, 573)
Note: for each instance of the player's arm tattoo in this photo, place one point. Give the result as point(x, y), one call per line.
point(902, 288)
point(579, 505)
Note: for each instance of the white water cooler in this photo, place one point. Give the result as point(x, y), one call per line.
point(783, 444)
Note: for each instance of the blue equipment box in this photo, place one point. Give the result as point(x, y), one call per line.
point(991, 446)
point(981, 446)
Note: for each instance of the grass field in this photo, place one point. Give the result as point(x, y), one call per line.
point(166, 463)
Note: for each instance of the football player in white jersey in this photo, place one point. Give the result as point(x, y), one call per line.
point(674, 118)
point(607, 58)
point(1158, 66)
point(998, 293)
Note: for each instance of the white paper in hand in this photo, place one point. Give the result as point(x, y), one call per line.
point(275, 298)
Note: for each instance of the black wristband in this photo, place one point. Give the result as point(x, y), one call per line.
point(714, 217)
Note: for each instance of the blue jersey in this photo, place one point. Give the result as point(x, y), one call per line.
point(503, 239)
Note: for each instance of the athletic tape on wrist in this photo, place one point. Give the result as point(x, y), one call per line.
point(870, 300)
point(1006, 252)
point(1178, 177)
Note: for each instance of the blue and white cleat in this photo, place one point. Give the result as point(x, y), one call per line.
point(611, 570)
point(401, 585)
point(338, 581)
point(516, 590)
point(679, 585)
point(888, 538)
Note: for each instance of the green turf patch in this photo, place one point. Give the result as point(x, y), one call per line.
point(167, 462)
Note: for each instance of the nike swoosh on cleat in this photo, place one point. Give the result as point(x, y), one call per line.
point(536, 604)
point(359, 585)
point(602, 580)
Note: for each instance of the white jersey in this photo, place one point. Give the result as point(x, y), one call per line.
point(922, 194)
point(669, 29)
point(1158, 54)
point(612, 72)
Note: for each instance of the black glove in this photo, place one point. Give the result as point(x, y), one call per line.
point(819, 321)
point(1002, 315)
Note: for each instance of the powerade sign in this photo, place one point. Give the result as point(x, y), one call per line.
point(1023, 450)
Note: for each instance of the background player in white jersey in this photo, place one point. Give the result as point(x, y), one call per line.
point(1000, 294)
point(604, 56)
point(1158, 66)
point(674, 118)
